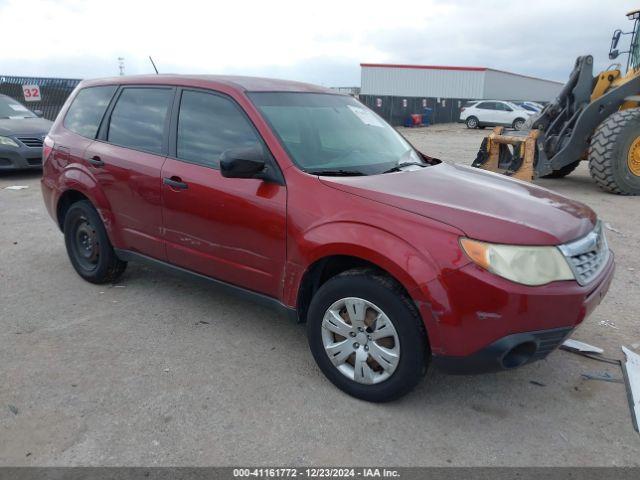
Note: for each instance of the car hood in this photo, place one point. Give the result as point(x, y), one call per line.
point(485, 206)
point(24, 126)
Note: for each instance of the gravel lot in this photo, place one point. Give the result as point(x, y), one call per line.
point(158, 370)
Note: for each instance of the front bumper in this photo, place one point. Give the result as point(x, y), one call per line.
point(506, 353)
point(20, 158)
point(472, 314)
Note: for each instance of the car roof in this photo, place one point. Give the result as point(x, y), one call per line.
point(236, 82)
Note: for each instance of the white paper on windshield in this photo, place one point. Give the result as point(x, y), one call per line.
point(366, 116)
point(18, 108)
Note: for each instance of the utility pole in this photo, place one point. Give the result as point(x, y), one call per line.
point(121, 65)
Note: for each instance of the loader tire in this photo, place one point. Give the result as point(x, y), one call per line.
point(564, 171)
point(614, 153)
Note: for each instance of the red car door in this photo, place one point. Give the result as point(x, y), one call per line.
point(127, 163)
point(231, 229)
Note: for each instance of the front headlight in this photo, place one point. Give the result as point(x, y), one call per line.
point(8, 141)
point(521, 264)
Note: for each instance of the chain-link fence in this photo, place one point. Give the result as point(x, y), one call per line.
point(51, 95)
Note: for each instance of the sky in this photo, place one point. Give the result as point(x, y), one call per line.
point(318, 42)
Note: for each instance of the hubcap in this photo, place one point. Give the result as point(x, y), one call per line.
point(472, 123)
point(633, 157)
point(360, 340)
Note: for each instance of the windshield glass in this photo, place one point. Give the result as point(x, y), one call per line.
point(9, 108)
point(333, 134)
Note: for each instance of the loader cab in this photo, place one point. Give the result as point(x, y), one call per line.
point(633, 60)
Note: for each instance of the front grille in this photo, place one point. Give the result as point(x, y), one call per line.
point(588, 255)
point(549, 340)
point(34, 142)
point(34, 161)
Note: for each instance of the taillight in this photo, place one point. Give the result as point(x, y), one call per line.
point(47, 148)
point(462, 110)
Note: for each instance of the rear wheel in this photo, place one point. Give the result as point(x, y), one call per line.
point(518, 123)
point(472, 122)
point(366, 336)
point(614, 153)
point(564, 171)
point(88, 245)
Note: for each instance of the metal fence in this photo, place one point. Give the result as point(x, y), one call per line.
point(398, 110)
point(53, 92)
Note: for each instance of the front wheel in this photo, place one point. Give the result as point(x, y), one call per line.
point(366, 336)
point(614, 153)
point(88, 246)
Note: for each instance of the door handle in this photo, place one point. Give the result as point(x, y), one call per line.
point(95, 161)
point(175, 182)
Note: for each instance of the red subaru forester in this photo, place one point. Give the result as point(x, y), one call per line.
point(306, 200)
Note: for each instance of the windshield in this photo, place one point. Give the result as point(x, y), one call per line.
point(9, 108)
point(334, 134)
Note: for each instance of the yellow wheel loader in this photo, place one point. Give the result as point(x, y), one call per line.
point(593, 118)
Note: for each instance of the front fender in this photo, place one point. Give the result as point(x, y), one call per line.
point(414, 269)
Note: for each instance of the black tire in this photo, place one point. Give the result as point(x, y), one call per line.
point(88, 245)
point(385, 293)
point(564, 171)
point(472, 122)
point(608, 152)
point(518, 123)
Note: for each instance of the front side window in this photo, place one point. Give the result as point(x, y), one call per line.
point(333, 134)
point(86, 111)
point(138, 118)
point(209, 124)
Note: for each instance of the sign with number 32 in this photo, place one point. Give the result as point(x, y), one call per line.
point(31, 93)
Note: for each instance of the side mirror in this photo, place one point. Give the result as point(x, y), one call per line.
point(613, 49)
point(615, 39)
point(243, 162)
point(39, 113)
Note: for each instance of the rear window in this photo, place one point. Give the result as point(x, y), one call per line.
point(86, 111)
point(138, 118)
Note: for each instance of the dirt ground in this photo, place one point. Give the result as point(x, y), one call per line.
point(158, 370)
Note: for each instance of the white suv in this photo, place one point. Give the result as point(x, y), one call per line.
point(483, 113)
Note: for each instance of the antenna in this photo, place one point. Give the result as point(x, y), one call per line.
point(121, 65)
point(153, 63)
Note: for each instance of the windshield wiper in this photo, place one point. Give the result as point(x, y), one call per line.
point(337, 173)
point(400, 166)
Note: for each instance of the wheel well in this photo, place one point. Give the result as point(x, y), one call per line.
point(67, 199)
point(324, 269)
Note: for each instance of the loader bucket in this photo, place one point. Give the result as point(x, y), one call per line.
point(496, 156)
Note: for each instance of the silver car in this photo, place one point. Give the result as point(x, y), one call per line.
point(21, 135)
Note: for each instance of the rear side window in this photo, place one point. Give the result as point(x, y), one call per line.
point(487, 105)
point(208, 125)
point(86, 111)
point(138, 118)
